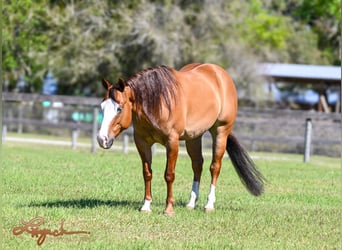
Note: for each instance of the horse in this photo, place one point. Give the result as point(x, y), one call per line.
point(167, 105)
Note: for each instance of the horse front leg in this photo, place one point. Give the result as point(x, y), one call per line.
point(172, 154)
point(147, 173)
point(194, 149)
point(145, 153)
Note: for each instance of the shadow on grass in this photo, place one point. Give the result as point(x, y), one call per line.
point(87, 203)
point(93, 203)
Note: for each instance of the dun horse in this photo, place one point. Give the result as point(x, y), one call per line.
point(165, 106)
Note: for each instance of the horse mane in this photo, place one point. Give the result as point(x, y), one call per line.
point(152, 87)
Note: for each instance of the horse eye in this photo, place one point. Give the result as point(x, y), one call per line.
point(119, 109)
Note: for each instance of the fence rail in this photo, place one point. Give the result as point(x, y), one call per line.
point(285, 130)
point(74, 100)
point(259, 130)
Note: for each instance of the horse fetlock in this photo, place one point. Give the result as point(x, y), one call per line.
point(146, 208)
point(211, 199)
point(192, 202)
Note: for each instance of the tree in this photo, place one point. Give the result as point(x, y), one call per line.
point(83, 41)
point(158, 35)
point(24, 31)
point(86, 35)
point(315, 26)
point(324, 17)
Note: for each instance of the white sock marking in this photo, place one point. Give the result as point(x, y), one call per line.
point(194, 194)
point(147, 206)
point(211, 198)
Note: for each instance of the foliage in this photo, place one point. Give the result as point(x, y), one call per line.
point(320, 21)
point(325, 19)
point(101, 193)
point(23, 36)
point(83, 41)
point(265, 29)
point(86, 36)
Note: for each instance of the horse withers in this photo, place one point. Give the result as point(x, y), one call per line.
point(165, 106)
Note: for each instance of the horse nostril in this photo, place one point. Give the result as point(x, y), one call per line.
point(110, 143)
point(104, 141)
point(101, 140)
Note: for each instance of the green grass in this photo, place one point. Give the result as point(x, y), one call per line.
point(102, 193)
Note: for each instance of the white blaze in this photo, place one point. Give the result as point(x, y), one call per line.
point(110, 110)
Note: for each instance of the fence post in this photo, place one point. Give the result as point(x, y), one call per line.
point(307, 139)
point(4, 132)
point(20, 116)
point(95, 129)
point(125, 143)
point(74, 135)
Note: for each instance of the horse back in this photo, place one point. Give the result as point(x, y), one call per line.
point(189, 66)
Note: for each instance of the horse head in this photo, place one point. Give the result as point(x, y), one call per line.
point(117, 112)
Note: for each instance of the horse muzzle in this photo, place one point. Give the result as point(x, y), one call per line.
point(105, 142)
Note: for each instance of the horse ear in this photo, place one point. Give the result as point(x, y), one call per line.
point(121, 85)
point(106, 84)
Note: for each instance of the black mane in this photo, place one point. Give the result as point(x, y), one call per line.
point(151, 87)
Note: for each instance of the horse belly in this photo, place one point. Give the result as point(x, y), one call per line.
point(203, 108)
point(196, 125)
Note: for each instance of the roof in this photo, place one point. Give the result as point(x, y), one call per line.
point(302, 73)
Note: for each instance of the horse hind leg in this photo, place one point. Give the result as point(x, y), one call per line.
point(194, 149)
point(219, 148)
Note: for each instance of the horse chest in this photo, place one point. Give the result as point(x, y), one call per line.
point(148, 133)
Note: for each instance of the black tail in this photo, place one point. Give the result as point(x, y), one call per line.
point(244, 166)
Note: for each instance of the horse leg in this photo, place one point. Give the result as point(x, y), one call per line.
point(194, 149)
point(145, 153)
point(219, 146)
point(172, 154)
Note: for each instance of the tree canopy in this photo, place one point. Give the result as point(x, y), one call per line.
point(83, 41)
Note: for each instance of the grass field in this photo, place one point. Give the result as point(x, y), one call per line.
point(102, 193)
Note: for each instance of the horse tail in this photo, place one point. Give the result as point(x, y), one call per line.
point(249, 175)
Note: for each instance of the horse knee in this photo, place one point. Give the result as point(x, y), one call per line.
point(147, 176)
point(169, 177)
point(170, 200)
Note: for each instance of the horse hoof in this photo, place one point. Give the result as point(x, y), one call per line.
point(209, 210)
point(190, 207)
point(146, 211)
point(169, 214)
